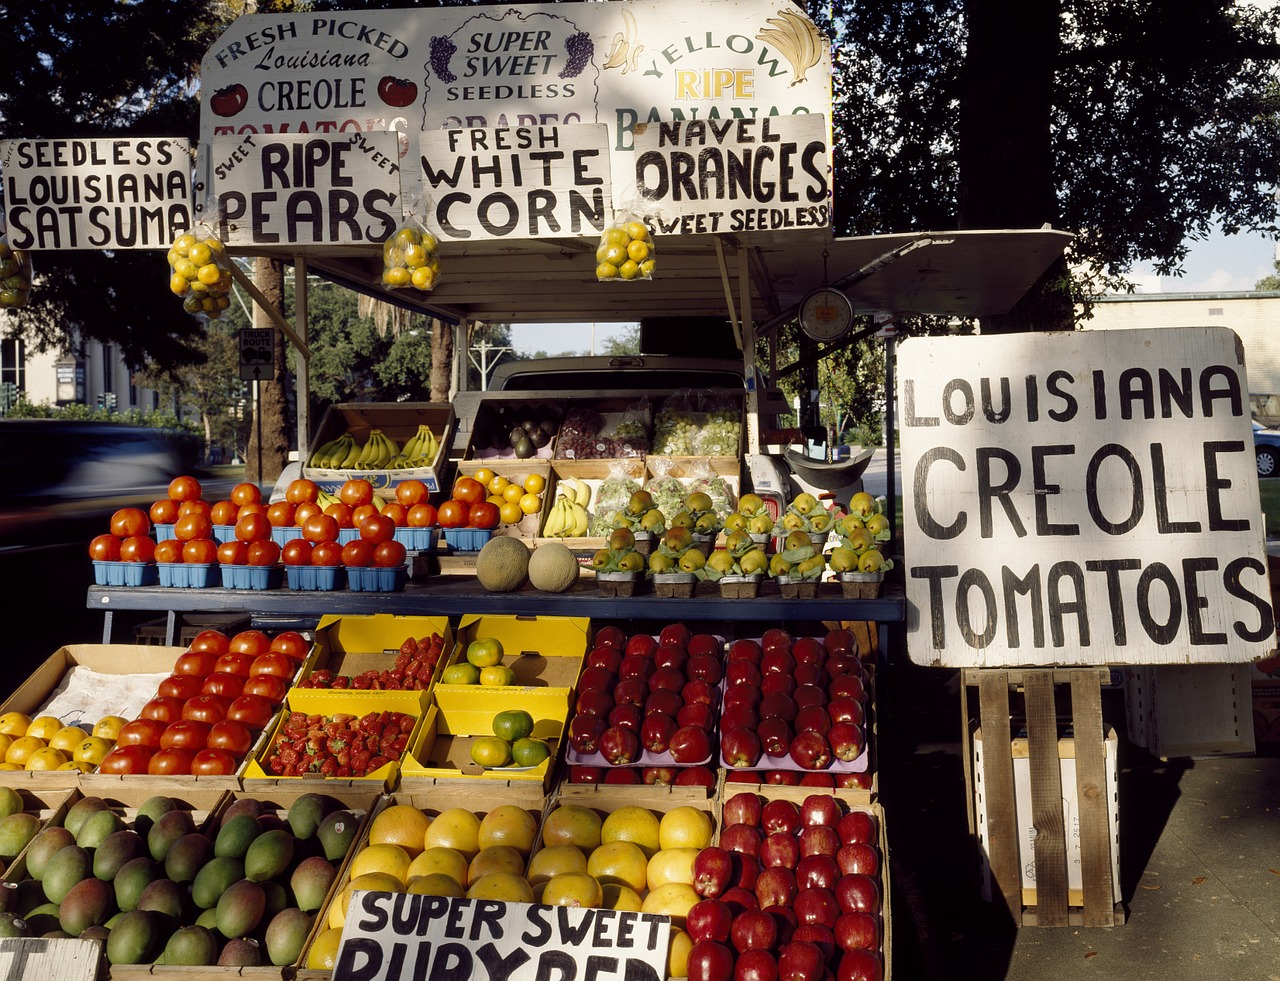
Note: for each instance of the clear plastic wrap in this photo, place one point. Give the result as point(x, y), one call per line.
point(579, 434)
point(675, 426)
point(626, 250)
point(611, 497)
point(200, 270)
point(668, 492)
point(411, 258)
point(702, 478)
point(720, 429)
point(627, 433)
point(15, 272)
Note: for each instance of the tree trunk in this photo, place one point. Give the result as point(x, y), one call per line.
point(1005, 151)
point(267, 460)
point(441, 360)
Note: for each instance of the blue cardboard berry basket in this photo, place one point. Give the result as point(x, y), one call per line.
point(252, 576)
point(373, 579)
point(467, 539)
point(107, 573)
point(188, 575)
point(316, 578)
point(418, 539)
point(224, 533)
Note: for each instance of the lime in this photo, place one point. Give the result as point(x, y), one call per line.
point(460, 674)
point(497, 676)
point(513, 724)
point(485, 652)
point(490, 751)
point(529, 752)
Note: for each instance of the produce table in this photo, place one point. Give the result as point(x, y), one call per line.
point(454, 594)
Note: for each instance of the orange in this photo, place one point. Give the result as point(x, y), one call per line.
point(512, 493)
point(507, 887)
point(530, 504)
point(554, 860)
point(674, 899)
point(323, 955)
point(572, 824)
point(389, 859)
point(438, 860)
point(684, 827)
point(68, 738)
point(572, 889)
point(370, 882)
point(510, 512)
point(620, 897)
point(21, 750)
point(620, 862)
point(495, 858)
point(535, 483)
point(678, 953)
point(437, 884)
point(44, 727)
point(46, 758)
point(484, 475)
point(403, 825)
point(456, 828)
point(509, 824)
point(671, 865)
point(497, 484)
point(635, 824)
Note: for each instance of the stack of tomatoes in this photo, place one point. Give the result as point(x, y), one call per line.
point(206, 715)
point(468, 507)
point(320, 528)
point(190, 516)
point(128, 541)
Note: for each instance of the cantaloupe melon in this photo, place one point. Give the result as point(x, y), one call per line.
point(503, 564)
point(553, 568)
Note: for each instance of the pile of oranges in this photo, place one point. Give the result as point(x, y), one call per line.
point(44, 743)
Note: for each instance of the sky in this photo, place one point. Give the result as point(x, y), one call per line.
point(1220, 264)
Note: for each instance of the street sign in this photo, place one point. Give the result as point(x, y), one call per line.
point(257, 354)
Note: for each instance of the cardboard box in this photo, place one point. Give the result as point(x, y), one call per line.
point(543, 652)
point(1266, 714)
point(1189, 710)
point(517, 471)
point(1026, 826)
point(351, 645)
point(399, 420)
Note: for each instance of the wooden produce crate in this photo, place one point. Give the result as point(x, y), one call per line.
point(49, 805)
point(399, 420)
point(593, 473)
point(353, 644)
point(493, 414)
point(1190, 710)
point(1052, 903)
point(530, 526)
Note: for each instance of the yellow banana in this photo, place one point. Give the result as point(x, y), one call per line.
point(353, 454)
point(321, 453)
point(555, 520)
point(410, 449)
point(382, 454)
point(580, 520)
point(393, 447)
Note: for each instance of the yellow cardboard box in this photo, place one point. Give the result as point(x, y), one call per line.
point(351, 645)
point(542, 652)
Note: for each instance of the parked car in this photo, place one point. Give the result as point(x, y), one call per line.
point(1266, 450)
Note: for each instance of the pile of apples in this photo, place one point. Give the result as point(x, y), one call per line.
point(793, 706)
point(647, 700)
point(791, 892)
point(206, 715)
point(319, 528)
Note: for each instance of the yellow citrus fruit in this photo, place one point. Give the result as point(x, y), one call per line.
point(509, 824)
point(178, 284)
point(47, 758)
point(370, 882)
point(554, 860)
point(76, 765)
point(497, 501)
point(44, 727)
point(20, 749)
point(512, 493)
point(510, 512)
point(484, 475)
point(638, 251)
point(616, 235)
point(423, 278)
point(436, 884)
point(639, 231)
point(620, 862)
point(9, 766)
point(5, 743)
point(629, 269)
point(484, 652)
point(389, 859)
point(620, 897)
point(635, 824)
point(497, 676)
point(68, 738)
point(671, 865)
point(490, 751)
point(506, 887)
point(495, 858)
point(572, 824)
point(678, 953)
point(530, 504)
point(573, 889)
point(323, 955)
point(497, 484)
point(685, 827)
point(456, 828)
point(92, 750)
point(439, 860)
point(674, 899)
point(606, 270)
point(460, 674)
point(535, 483)
point(529, 751)
point(403, 825)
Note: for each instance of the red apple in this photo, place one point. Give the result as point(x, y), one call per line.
point(586, 774)
point(611, 636)
point(846, 741)
point(810, 751)
point(596, 677)
point(857, 826)
point(743, 776)
point(668, 656)
point(595, 701)
point(847, 686)
point(710, 961)
point(619, 745)
point(837, 666)
point(739, 900)
point(631, 691)
point(782, 778)
point(776, 887)
point(777, 662)
point(635, 666)
point(775, 736)
point(812, 718)
point(775, 638)
point(800, 961)
point(812, 674)
point(753, 929)
point(743, 838)
point(821, 936)
point(667, 679)
point(641, 644)
point(780, 816)
point(689, 744)
point(826, 780)
point(818, 871)
point(675, 633)
point(695, 776)
point(785, 917)
point(859, 779)
point(779, 705)
point(857, 892)
point(656, 731)
point(806, 696)
point(846, 710)
point(743, 808)
point(709, 919)
point(859, 965)
point(740, 747)
point(857, 930)
point(819, 839)
point(742, 673)
point(839, 642)
point(585, 732)
point(608, 658)
point(744, 650)
point(738, 717)
point(697, 714)
point(780, 849)
point(808, 650)
point(707, 667)
point(816, 905)
point(663, 700)
point(777, 682)
point(858, 859)
point(704, 644)
point(622, 774)
point(658, 776)
point(627, 717)
point(701, 691)
point(820, 809)
point(755, 965)
point(747, 869)
point(742, 695)
point(713, 871)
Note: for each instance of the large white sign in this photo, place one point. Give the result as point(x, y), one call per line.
point(1081, 498)
point(734, 175)
point(306, 189)
point(388, 936)
point(96, 194)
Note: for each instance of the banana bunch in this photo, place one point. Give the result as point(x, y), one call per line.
point(566, 519)
point(578, 491)
point(324, 499)
point(419, 450)
point(334, 454)
point(346, 453)
point(379, 450)
point(796, 39)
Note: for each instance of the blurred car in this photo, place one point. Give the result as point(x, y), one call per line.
point(1266, 449)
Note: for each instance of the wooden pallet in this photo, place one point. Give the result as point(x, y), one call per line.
point(1040, 697)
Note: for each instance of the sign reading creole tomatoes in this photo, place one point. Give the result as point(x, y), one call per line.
point(96, 194)
point(306, 189)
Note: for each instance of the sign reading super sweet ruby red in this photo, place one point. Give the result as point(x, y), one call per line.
point(1081, 498)
point(397, 935)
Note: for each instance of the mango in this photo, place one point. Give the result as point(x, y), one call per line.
point(13, 925)
point(98, 827)
point(132, 938)
point(90, 902)
point(192, 946)
point(310, 882)
point(241, 952)
point(165, 898)
point(240, 909)
point(337, 833)
point(187, 856)
point(235, 836)
point(117, 851)
point(214, 878)
point(67, 867)
point(42, 919)
point(286, 934)
point(245, 805)
point(151, 811)
point(81, 810)
point(16, 832)
point(10, 801)
point(132, 878)
point(269, 855)
point(168, 828)
point(306, 813)
point(43, 847)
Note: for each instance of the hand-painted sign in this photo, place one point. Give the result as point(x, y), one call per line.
point(1081, 498)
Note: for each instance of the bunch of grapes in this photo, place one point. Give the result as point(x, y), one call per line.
point(410, 258)
point(200, 273)
point(580, 49)
point(442, 49)
point(675, 433)
point(721, 435)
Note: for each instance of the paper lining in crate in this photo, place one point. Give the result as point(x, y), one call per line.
point(400, 421)
point(541, 651)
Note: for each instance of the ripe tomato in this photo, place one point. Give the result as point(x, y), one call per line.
point(234, 662)
point(162, 708)
point(210, 640)
point(301, 491)
point(398, 513)
point(206, 708)
point(484, 515)
point(264, 553)
point(390, 554)
point(220, 683)
point(296, 551)
point(340, 513)
point(253, 642)
point(305, 510)
point(169, 550)
point(422, 515)
point(213, 763)
point(327, 554)
point(253, 508)
point(355, 492)
point(266, 686)
point(291, 643)
point(139, 548)
point(468, 490)
point(192, 526)
point(320, 528)
point(453, 514)
point(200, 551)
point(185, 734)
point(170, 761)
point(358, 554)
point(164, 512)
point(200, 506)
point(141, 732)
point(276, 663)
point(280, 514)
point(251, 710)
point(185, 489)
point(127, 759)
point(253, 528)
point(127, 522)
point(181, 686)
point(198, 663)
point(224, 513)
point(411, 492)
point(105, 548)
point(230, 736)
point(246, 493)
point(377, 529)
point(233, 553)
point(359, 514)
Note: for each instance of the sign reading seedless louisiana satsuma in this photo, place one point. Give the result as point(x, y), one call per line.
point(1081, 498)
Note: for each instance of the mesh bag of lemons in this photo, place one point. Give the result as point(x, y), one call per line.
point(15, 273)
point(411, 259)
point(200, 273)
point(626, 250)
